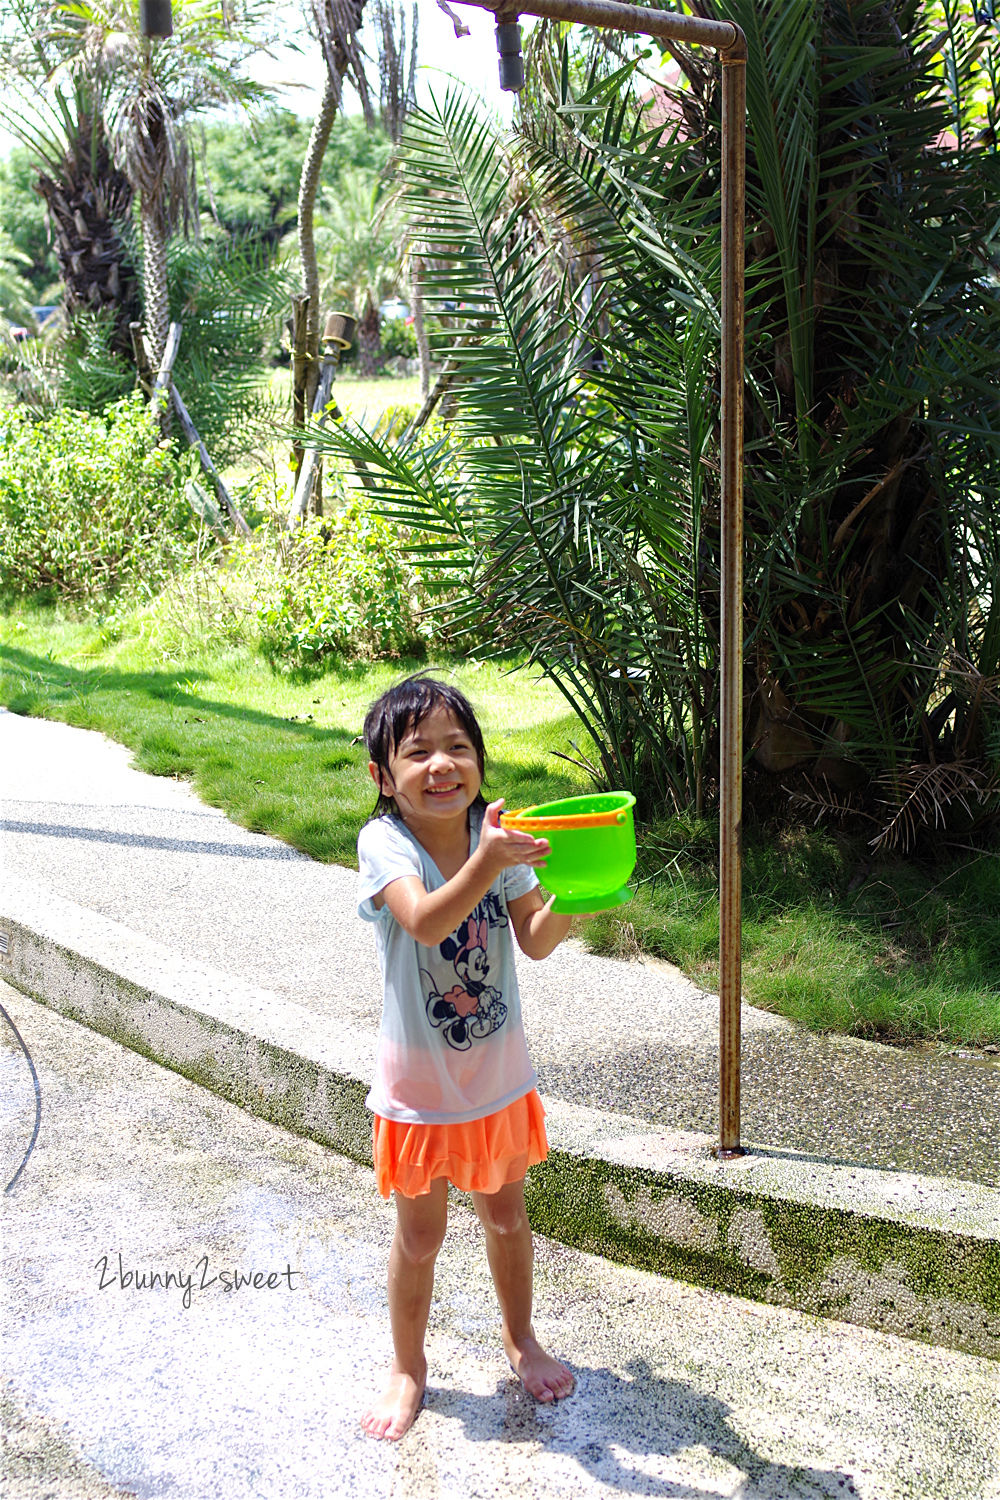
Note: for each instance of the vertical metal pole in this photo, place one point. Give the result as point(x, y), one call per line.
point(731, 666)
point(730, 42)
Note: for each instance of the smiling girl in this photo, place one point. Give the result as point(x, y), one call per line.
point(454, 1096)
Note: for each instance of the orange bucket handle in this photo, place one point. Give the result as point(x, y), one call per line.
point(517, 821)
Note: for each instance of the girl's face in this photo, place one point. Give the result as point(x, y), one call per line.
point(433, 771)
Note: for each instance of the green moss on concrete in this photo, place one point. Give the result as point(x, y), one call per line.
point(939, 1287)
point(568, 1200)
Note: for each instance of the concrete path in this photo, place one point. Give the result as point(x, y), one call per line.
point(254, 1394)
point(634, 1038)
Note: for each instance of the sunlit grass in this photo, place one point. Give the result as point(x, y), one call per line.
point(277, 751)
point(363, 399)
point(898, 952)
point(366, 401)
point(902, 952)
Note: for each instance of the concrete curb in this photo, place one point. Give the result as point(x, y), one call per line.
point(910, 1255)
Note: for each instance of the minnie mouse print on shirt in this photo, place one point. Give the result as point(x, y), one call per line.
point(471, 1009)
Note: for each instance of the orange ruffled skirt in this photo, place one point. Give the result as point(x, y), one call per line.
point(478, 1156)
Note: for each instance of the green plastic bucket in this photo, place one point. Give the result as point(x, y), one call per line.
point(592, 840)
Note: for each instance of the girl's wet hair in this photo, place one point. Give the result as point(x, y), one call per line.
point(400, 710)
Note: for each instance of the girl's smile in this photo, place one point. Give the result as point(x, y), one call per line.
point(434, 769)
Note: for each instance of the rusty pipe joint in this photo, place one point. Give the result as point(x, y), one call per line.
point(509, 48)
point(736, 50)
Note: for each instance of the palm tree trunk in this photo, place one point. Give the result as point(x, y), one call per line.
point(154, 281)
point(86, 203)
point(308, 188)
point(371, 359)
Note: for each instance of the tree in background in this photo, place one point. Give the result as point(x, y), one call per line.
point(55, 109)
point(336, 24)
point(24, 219)
point(579, 494)
point(16, 294)
point(103, 113)
point(152, 91)
point(397, 64)
point(358, 249)
point(249, 171)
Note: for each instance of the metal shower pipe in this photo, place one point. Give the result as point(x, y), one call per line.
point(729, 41)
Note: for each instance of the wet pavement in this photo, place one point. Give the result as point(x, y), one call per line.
point(112, 1389)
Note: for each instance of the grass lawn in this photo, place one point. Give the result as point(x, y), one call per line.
point(359, 398)
point(901, 952)
point(364, 400)
point(276, 751)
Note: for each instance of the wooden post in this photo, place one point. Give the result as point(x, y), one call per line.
point(337, 336)
point(300, 366)
point(165, 396)
point(142, 367)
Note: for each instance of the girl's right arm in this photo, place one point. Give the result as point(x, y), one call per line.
point(431, 916)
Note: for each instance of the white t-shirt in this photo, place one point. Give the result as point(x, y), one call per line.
point(451, 1047)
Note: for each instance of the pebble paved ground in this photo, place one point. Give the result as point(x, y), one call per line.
point(114, 1391)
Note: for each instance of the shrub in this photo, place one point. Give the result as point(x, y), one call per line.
point(339, 585)
point(398, 339)
point(90, 505)
point(344, 588)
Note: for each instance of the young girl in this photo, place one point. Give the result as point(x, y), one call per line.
point(454, 1096)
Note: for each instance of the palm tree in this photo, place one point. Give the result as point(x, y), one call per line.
point(58, 115)
point(358, 248)
point(873, 458)
point(153, 89)
point(105, 111)
point(16, 295)
point(336, 24)
point(580, 503)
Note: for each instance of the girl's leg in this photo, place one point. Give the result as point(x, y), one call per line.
point(420, 1227)
point(511, 1255)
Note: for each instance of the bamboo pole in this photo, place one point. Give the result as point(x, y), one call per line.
point(194, 438)
point(166, 395)
point(300, 369)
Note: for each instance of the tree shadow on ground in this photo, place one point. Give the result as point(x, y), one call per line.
point(614, 1416)
point(173, 688)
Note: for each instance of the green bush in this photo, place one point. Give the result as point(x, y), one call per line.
point(345, 589)
point(336, 586)
point(90, 505)
point(398, 339)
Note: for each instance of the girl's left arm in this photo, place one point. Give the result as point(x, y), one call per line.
point(537, 927)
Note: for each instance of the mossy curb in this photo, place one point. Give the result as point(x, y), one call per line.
point(938, 1287)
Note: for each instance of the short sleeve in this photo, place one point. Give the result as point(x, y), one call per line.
point(383, 856)
point(518, 880)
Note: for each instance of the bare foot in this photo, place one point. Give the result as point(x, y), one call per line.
point(394, 1411)
point(539, 1373)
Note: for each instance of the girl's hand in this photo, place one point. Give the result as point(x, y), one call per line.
point(503, 847)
